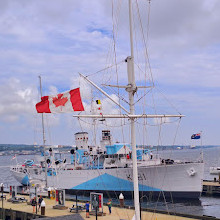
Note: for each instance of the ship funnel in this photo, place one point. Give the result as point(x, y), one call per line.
point(106, 139)
point(81, 140)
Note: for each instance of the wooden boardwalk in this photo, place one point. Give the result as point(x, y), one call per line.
point(117, 213)
point(211, 183)
point(211, 188)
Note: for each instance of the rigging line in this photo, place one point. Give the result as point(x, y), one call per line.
point(144, 72)
point(176, 131)
point(144, 100)
point(140, 71)
point(159, 135)
point(35, 128)
point(171, 151)
point(112, 41)
point(120, 184)
point(117, 211)
point(144, 112)
point(135, 37)
point(172, 105)
point(145, 43)
point(114, 47)
point(143, 96)
point(110, 52)
point(151, 194)
point(107, 57)
point(162, 191)
point(148, 20)
point(170, 122)
point(164, 178)
point(106, 124)
point(116, 67)
point(111, 89)
point(145, 130)
point(108, 67)
point(110, 57)
point(80, 124)
point(154, 106)
point(108, 194)
point(48, 129)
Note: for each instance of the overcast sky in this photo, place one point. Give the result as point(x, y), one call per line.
point(58, 39)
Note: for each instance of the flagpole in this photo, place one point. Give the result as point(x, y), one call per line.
point(201, 145)
point(16, 159)
point(43, 129)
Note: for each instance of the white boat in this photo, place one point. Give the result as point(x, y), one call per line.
point(109, 169)
point(34, 171)
point(192, 146)
point(111, 172)
point(26, 171)
point(214, 170)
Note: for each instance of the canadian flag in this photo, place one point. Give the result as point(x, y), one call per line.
point(64, 102)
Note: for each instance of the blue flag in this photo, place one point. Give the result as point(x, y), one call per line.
point(196, 136)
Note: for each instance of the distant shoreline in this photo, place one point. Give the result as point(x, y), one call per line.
point(23, 149)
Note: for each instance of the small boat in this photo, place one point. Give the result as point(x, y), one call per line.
point(192, 146)
point(214, 170)
point(30, 171)
point(23, 172)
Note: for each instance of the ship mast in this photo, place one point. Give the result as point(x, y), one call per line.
point(43, 130)
point(131, 89)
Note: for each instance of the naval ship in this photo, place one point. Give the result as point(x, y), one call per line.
point(108, 168)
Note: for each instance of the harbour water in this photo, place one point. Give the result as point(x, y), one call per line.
point(205, 206)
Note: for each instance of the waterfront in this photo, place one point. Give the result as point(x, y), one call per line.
point(205, 206)
point(117, 213)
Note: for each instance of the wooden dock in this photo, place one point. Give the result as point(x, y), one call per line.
point(211, 188)
point(117, 213)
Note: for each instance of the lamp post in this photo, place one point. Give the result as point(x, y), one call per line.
point(2, 190)
point(35, 189)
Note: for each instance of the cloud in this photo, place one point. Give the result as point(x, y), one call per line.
point(59, 40)
point(16, 99)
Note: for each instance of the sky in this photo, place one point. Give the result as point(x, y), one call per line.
point(60, 39)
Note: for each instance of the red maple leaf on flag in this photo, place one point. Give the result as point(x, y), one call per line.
point(60, 100)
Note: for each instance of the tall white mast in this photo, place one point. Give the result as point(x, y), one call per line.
point(43, 130)
point(131, 90)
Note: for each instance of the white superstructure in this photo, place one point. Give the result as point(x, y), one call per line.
point(81, 140)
